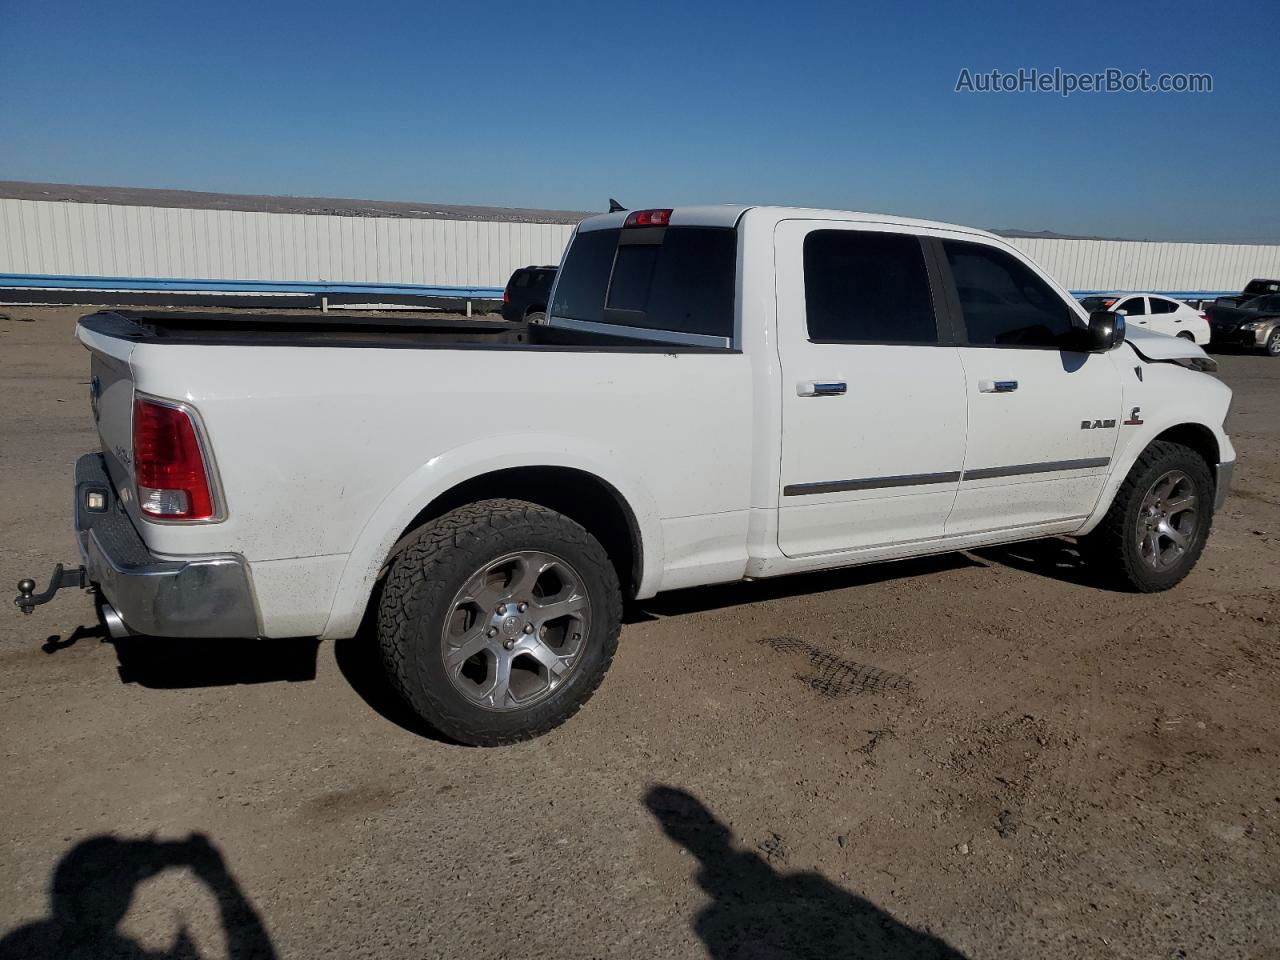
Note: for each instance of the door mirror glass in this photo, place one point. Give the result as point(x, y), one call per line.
point(1106, 330)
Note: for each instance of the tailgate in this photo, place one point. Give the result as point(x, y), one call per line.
point(111, 399)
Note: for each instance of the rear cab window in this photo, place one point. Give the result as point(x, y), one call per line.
point(671, 284)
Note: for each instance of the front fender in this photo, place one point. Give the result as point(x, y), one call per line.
point(1170, 396)
point(467, 462)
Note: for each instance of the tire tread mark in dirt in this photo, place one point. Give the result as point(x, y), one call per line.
point(836, 677)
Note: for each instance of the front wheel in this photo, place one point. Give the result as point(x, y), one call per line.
point(1273, 343)
point(498, 621)
point(1158, 523)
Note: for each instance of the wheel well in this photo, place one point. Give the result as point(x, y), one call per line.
point(580, 496)
point(535, 308)
point(1199, 438)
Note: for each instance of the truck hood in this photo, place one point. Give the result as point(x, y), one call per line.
point(1156, 347)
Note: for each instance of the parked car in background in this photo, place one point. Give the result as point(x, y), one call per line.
point(1252, 290)
point(1254, 323)
point(1155, 312)
point(527, 294)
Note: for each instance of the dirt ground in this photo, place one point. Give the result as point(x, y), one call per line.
point(979, 755)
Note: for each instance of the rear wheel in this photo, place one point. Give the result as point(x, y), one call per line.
point(535, 316)
point(499, 620)
point(1187, 335)
point(1158, 523)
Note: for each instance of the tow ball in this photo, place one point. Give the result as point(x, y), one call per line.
point(27, 598)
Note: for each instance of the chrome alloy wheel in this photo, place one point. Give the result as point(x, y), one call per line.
point(516, 630)
point(1168, 520)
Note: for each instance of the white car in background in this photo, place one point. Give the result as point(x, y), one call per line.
point(1155, 312)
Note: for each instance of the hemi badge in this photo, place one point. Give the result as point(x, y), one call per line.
point(1135, 418)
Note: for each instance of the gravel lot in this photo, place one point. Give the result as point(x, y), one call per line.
point(977, 755)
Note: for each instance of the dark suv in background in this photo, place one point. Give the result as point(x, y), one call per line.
point(527, 294)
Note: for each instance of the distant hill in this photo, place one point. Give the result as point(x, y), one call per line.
point(252, 203)
point(1050, 235)
point(343, 207)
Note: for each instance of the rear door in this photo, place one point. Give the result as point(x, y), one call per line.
point(1042, 414)
point(1135, 311)
point(1165, 317)
point(873, 405)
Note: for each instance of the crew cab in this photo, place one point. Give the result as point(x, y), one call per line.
point(718, 393)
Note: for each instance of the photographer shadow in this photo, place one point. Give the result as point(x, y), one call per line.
point(757, 912)
point(93, 887)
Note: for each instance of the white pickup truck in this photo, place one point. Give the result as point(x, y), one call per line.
point(717, 393)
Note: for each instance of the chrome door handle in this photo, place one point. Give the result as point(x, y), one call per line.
point(822, 388)
point(997, 386)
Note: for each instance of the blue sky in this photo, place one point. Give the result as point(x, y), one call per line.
point(564, 105)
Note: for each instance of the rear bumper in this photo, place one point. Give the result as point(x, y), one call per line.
point(1222, 486)
point(192, 597)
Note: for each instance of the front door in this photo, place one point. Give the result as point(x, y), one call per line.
point(873, 404)
point(1043, 416)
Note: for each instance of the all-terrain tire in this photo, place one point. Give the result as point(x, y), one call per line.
point(426, 572)
point(1112, 548)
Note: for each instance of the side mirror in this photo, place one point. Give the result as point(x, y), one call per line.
point(1106, 331)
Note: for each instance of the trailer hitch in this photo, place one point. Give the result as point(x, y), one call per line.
point(27, 598)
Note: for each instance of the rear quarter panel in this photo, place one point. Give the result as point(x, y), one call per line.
point(332, 452)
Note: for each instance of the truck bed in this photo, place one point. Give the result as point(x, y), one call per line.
point(348, 329)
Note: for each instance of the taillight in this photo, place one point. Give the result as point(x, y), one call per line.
point(1204, 317)
point(506, 294)
point(648, 218)
point(168, 466)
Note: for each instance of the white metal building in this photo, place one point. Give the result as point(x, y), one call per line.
point(286, 245)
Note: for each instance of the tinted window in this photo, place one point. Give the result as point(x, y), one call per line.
point(584, 277)
point(1160, 305)
point(684, 284)
point(633, 276)
point(863, 287)
point(521, 279)
point(679, 279)
point(1133, 307)
point(1004, 302)
point(1265, 304)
